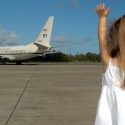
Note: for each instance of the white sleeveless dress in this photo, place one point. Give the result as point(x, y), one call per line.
point(111, 105)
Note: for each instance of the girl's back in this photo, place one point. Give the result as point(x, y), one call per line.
point(111, 105)
point(112, 75)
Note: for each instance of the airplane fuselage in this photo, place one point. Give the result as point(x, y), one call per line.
point(22, 52)
point(40, 46)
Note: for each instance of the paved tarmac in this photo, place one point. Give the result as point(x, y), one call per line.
point(49, 94)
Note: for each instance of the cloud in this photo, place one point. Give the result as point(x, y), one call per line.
point(63, 41)
point(60, 39)
point(73, 45)
point(8, 38)
point(88, 39)
point(60, 42)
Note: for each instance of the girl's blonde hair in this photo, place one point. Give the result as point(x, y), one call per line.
point(116, 41)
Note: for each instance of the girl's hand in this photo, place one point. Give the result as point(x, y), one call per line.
point(102, 11)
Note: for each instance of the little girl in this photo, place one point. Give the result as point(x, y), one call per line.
point(111, 105)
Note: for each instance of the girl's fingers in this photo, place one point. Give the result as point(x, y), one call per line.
point(97, 8)
point(103, 6)
point(100, 7)
point(101, 10)
point(108, 9)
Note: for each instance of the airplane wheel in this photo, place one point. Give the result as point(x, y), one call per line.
point(2, 63)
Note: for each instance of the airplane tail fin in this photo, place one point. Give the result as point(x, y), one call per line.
point(45, 35)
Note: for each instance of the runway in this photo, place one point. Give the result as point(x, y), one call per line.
point(49, 94)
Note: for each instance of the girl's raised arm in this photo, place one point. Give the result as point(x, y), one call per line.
point(103, 12)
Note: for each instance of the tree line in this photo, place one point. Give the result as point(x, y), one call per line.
point(62, 57)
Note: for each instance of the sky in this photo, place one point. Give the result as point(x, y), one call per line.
point(75, 25)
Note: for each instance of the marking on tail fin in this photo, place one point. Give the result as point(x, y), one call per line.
point(45, 30)
point(45, 35)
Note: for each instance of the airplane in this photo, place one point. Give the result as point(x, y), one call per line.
point(40, 46)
